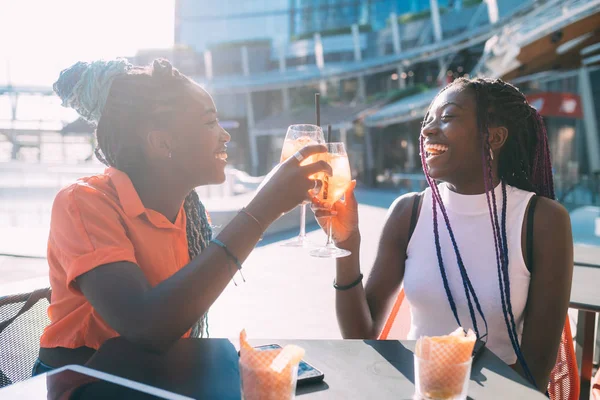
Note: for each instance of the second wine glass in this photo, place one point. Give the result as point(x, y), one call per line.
point(332, 190)
point(297, 137)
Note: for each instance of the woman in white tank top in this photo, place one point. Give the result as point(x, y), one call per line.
point(485, 155)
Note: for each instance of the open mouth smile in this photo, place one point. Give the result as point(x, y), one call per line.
point(433, 149)
point(221, 155)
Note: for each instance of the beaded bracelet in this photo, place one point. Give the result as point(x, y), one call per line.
point(230, 255)
point(350, 285)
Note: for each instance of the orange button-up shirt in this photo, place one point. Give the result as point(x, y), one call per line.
point(96, 221)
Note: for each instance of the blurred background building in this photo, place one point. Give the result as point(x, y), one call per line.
point(377, 64)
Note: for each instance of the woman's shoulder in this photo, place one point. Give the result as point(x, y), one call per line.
point(552, 232)
point(91, 189)
point(403, 205)
point(545, 207)
point(550, 213)
point(402, 209)
point(553, 243)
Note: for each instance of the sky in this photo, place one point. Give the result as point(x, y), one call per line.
point(39, 38)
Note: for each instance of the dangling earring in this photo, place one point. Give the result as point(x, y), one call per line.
point(491, 154)
point(170, 155)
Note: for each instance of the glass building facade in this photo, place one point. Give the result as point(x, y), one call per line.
point(202, 23)
point(309, 16)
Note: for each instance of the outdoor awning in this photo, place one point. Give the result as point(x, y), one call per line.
point(404, 110)
point(557, 104)
point(339, 115)
point(550, 104)
point(575, 18)
point(552, 38)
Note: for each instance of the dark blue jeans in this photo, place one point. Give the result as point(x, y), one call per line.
point(40, 368)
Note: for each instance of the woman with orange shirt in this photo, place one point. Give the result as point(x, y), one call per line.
point(131, 251)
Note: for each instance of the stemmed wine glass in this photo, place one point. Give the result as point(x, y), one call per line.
point(332, 190)
point(297, 137)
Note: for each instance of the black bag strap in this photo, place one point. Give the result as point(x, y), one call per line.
point(414, 214)
point(529, 239)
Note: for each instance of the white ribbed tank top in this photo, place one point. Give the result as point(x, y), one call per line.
point(431, 314)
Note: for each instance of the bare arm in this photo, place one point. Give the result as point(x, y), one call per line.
point(157, 316)
point(549, 290)
point(361, 311)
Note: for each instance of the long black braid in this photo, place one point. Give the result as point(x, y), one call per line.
point(141, 99)
point(524, 163)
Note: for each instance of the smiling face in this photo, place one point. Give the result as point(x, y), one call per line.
point(451, 139)
point(199, 150)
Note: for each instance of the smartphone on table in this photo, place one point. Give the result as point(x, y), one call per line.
point(306, 373)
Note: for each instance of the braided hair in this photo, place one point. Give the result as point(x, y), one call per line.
point(125, 101)
point(524, 163)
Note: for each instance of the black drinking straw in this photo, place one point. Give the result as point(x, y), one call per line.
point(326, 178)
point(318, 108)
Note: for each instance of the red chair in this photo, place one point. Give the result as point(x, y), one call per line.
point(564, 378)
point(398, 322)
point(596, 387)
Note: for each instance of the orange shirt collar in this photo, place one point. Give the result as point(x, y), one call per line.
point(128, 196)
point(133, 206)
